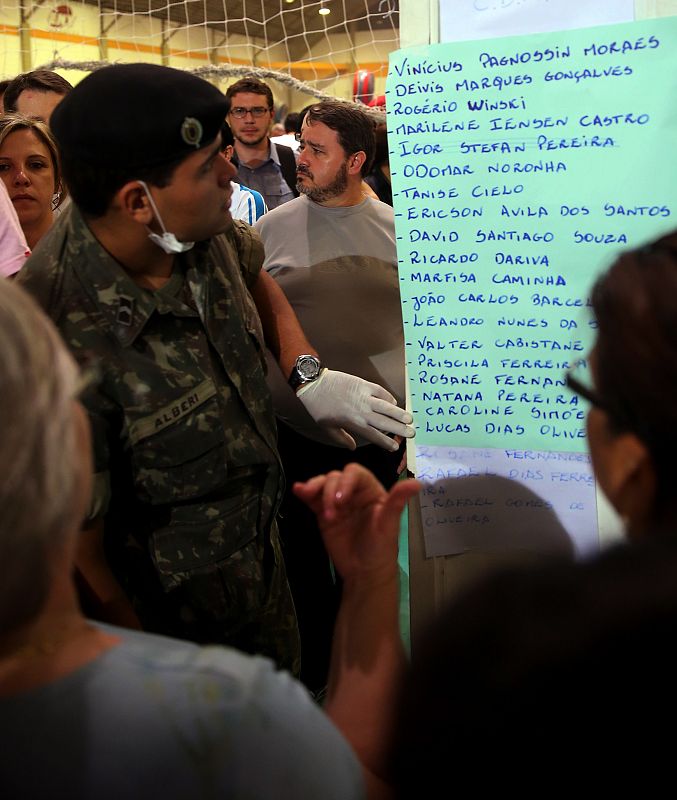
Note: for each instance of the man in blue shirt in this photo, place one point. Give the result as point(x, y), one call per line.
point(267, 168)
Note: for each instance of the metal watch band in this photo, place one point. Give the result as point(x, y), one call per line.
point(306, 369)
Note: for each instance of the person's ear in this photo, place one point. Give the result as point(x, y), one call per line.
point(629, 481)
point(227, 152)
point(58, 194)
point(133, 201)
point(355, 162)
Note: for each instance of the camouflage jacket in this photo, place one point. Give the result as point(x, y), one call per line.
point(183, 426)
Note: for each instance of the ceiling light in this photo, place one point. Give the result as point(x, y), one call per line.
point(323, 9)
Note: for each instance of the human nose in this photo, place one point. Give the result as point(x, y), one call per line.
point(21, 178)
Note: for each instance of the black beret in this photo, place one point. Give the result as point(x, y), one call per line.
point(137, 115)
point(227, 137)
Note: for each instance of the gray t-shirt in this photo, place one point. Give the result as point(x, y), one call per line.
point(157, 718)
point(338, 268)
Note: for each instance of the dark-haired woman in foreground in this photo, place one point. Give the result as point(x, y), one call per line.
point(540, 681)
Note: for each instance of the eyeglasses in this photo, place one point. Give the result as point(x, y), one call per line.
point(579, 380)
point(240, 113)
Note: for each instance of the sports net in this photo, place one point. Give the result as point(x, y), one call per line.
point(290, 41)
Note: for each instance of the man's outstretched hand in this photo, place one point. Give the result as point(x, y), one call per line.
point(346, 404)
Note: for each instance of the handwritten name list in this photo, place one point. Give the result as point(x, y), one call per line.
point(520, 167)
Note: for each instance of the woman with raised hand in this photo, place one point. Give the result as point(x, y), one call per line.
point(630, 381)
point(94, 711)
point(542, 681)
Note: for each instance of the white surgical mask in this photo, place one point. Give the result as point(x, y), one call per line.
point(167, 241)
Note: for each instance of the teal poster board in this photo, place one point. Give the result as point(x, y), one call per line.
point(521, 167)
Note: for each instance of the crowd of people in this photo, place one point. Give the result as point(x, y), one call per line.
point(202, 429)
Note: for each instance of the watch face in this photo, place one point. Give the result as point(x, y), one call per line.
point(308, 367)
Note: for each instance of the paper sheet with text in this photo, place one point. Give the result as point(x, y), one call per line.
point(481, 19)
point(520, 167)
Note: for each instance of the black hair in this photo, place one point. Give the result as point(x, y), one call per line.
point(381, 155)
point(227, 138)
point(291, 122)
point(41, 80)
point(635, 307)
point(93, 187)
point(534, 674)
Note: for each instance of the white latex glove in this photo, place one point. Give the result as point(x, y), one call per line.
point(339, 401)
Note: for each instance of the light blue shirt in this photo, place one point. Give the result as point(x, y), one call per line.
point(154, 717)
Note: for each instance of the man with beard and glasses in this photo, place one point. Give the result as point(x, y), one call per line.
point(332, 250)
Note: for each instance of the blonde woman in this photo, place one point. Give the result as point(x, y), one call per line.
point(29, 168)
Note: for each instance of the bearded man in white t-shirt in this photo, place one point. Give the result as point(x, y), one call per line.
point(332, 250)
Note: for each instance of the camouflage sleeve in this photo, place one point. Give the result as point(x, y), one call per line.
point(42, 275)
point(45, 288)
point(249, 248)
point(95, 405)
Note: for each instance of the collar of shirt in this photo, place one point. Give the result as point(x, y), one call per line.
point(124, 307)
point(272, 156)
point(273, 153)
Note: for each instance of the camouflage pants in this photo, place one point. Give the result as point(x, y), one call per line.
point(242, 601)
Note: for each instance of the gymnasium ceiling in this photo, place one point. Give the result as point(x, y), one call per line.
point(270, 20)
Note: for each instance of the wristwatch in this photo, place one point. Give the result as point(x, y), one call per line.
point(306, 369)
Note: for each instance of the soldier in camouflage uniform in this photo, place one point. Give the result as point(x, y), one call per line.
point(185, 456)
point(188, 479)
